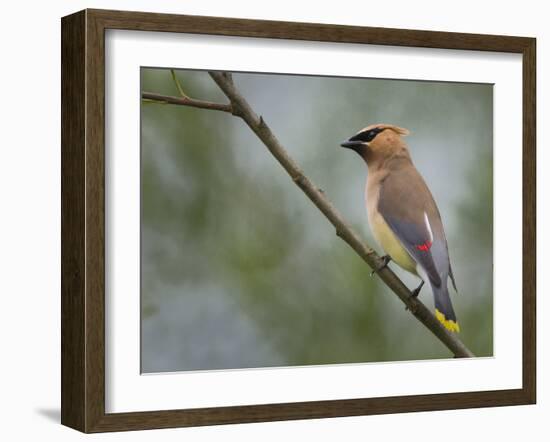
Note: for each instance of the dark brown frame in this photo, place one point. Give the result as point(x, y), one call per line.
point(83, 216)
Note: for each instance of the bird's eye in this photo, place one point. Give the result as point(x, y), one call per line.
point(367, 136)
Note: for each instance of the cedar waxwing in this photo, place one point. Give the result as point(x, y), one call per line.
point(403, 215)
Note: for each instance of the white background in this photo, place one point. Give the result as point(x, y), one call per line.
point(30, 219)
point(128, 391)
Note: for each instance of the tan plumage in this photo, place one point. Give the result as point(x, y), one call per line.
point(402, 213)
point(385, 145)
point(382, 232)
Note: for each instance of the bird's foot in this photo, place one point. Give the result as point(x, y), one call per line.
point(386, 260)
point(415, 293)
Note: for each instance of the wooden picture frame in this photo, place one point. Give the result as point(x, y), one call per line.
point(83, 220)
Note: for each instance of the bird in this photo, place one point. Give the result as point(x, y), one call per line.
point(403, 215)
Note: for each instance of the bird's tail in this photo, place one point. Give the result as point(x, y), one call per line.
point(444, 308)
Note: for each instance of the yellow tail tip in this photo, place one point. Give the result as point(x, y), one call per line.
point(447, 323)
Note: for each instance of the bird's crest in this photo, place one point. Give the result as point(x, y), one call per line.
point(398, 130)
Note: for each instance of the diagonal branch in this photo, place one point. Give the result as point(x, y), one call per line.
point(240, 107)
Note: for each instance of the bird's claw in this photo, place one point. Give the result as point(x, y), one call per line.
point(386, 260)
point(415, 292)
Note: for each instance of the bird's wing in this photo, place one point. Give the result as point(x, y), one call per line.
point(407, 206)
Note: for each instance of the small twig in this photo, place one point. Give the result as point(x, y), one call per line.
point(178, 85)
point(186, 101)
point(240, 107)
point(148, 101)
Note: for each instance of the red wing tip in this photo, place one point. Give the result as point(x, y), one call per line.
point(424, 247)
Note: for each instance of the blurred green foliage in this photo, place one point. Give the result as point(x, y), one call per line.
point(239, 269)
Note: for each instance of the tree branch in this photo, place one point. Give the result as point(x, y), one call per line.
point(186, 101)
point(239, 106)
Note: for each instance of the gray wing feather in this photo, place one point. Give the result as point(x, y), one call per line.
point(408, 208)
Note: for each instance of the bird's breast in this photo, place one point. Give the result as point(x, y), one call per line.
point(384, 235)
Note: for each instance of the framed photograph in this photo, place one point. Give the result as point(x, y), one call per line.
point(269, 220)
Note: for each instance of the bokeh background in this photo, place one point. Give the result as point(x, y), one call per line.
point(240, 270)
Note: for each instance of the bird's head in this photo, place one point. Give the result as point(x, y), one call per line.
point(377, 141)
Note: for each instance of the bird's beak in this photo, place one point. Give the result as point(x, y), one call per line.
point(351, 144)
point(356, 145)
